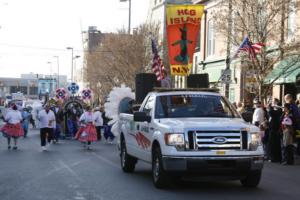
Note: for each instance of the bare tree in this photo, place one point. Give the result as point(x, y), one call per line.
point(264, 21)
point(119, 58)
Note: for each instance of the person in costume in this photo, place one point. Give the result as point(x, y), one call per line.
point(47, 121)
point(25, 122)
point(98, 122)
point(87, 132)
point(12, 128)
point(59, 116)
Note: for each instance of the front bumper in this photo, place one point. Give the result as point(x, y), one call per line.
point(234, 167)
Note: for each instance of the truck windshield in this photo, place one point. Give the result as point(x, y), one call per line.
point(193, 105)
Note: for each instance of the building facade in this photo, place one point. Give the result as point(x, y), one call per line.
point(29, 87)
point(211, 56)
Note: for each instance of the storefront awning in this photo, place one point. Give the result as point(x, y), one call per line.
point(285, 72)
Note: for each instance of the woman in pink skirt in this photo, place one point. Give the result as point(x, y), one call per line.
point(87, 132)
point(12, 128)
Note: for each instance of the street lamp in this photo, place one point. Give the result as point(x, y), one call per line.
point(75, 57)
point(57, 57)
point(50, 63)
point(71, 48)
point(129, 20)
point(51, 83)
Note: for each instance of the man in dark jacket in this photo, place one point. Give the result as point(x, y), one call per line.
point(274, 145)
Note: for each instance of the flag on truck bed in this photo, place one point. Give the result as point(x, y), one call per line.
point(157, 65)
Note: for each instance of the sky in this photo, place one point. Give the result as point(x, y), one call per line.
point(33, 32)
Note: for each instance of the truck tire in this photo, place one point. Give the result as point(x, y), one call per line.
point(252, 179)
point(127, 161)
point(159, 176)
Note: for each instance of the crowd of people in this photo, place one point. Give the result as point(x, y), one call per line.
point(87, 127)
point(279, 127)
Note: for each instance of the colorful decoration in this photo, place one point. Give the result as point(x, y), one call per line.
point(86, 94)
point(61, 93)
point(112, 107)
point(73, 88)
point(183, 25)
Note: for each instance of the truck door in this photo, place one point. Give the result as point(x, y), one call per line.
point(144, 131)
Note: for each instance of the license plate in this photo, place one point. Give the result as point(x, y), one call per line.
point(220, 152)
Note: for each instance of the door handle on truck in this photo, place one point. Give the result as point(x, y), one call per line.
point(151, 129)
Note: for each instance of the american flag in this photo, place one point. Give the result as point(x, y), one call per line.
point(157, 65)
point(249, 48)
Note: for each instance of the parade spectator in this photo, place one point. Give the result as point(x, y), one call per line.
point(98, 122)
point(12, 128)
point(47, 120)
point(25, 122)
point(240, 107)
point(259, 114)
point(87, 132)
point(287, 130)
point(274, 142)
point(295, 117)
point(166, 82)
point(264, 134)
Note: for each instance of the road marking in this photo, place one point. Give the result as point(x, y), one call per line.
point(64, 165)
point(105, 160)
point(29, 183)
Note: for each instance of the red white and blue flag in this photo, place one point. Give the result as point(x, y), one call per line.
point(157, 65)
point(249, 48)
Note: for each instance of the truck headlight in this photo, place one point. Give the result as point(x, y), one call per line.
point(174, 139)
point(255, 141)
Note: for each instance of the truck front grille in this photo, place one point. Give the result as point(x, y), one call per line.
point(217, 140)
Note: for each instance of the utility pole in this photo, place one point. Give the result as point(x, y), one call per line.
point(229, 35)
point(129, 18)
point(57, 57)
point(71, 48)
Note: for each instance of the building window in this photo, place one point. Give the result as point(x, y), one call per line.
point(292, 19)
point(15, 89)
point(33, 90)
point(210, 38)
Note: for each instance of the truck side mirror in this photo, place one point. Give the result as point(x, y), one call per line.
point(141, 117)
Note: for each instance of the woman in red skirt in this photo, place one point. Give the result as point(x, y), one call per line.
point(87, 132)
point(12, 128)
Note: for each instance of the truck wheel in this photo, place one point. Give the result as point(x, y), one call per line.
point(159, 176)
point(127, 161)
point(252, 179)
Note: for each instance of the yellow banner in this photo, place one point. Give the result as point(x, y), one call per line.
point(183, 25)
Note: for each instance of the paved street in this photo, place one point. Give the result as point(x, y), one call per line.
point(67, 172)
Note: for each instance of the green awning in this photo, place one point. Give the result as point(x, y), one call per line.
point(285, 72)
point(213, 70)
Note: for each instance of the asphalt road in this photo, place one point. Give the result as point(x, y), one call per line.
point(68, 172)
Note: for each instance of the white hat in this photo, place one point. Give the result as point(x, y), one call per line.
point(287, 121)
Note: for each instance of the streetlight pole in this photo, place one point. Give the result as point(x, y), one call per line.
point(71, 48)
point(50, 63)
point(129, 17)
point(75, 57)
point(51, 86)
point(57, 57)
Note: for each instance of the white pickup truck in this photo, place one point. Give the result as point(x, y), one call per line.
point(191, 134)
